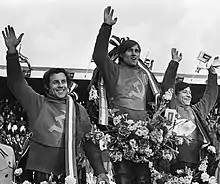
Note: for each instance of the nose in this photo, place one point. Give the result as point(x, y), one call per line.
point(189, 95)
point(60, 84)
point(133, 52)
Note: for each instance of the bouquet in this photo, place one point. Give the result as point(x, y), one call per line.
point(139, 141)
point(202, 174)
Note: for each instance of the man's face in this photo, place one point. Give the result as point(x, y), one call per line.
point(58, 85)
point(184, 96)
point(131, 56)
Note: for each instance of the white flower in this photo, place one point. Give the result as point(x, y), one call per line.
point(212, 180)
point(212, 149)
point(70, 180)
point(102, 145)
point(107, 138)
point(205, 177)
point(116, 120)
point(168, 157)
point(179, 140)
point(195, 183)
point(203, 167)
point(26, 182)
point(150, 164)
point(22, 128)
point(130, 128)
point(130, 122)
point(14, 128)
point(44, 182)
point(9, 126)
point(133, 144)
point(168, 95)
point(18, 172)
point(145, 133)
point(139, 133)
point(179, 171)
point(93, 94)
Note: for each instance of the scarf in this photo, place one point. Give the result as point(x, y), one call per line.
point(70, 137)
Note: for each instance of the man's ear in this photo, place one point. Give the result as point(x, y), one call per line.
point(46, 88)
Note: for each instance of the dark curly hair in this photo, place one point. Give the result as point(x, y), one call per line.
point(51, 71)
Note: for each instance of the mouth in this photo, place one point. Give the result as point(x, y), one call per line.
point(60, 90)
point(187, 99)
point(133, 58)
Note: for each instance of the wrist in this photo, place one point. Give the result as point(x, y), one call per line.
point(12, 50)
point(176, 60)
point(212, 70)
point(106, 24)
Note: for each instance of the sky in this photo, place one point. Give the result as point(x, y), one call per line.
point(62, 33)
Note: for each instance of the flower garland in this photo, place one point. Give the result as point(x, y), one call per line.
point(138, 141)
point(149, 141)
point(188, 176)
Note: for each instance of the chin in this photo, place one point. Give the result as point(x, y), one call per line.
point(187, 103)
point(61, 96)
point(133, 64)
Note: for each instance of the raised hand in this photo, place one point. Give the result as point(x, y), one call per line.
point(212, 70)
point(108, 16)
point(11, 41)
point(176, 56)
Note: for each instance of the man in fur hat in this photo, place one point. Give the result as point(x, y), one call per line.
point(57, 122)
point(130, 88)
point(192, 121)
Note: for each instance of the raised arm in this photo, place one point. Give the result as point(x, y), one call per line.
point(210, 95)
point(170, 73)
point(16, 82)
point(100, 53)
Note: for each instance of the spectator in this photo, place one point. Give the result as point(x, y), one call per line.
point(7, 163)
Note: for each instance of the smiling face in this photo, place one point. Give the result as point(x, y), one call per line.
point(184, 96)
point(131, 56)
point(58, 85)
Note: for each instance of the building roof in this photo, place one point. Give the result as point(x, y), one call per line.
point(86, 74)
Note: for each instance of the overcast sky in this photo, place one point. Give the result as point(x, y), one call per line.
point(62, 32)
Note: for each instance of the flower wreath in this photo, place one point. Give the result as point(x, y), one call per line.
point(152, 141)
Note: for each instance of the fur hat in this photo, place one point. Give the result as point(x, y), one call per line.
point(180, 86)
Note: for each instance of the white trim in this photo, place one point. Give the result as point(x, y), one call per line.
point(70, 137)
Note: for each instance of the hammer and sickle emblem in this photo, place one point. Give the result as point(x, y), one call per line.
point(60, 119)
point(139, 89)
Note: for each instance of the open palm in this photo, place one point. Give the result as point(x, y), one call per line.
point(108, 16)
point(11, 41)
point(176, 56)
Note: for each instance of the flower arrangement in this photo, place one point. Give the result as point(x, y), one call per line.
point(201, 174)
point(150, 141)
point(139, 141)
